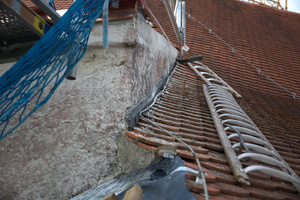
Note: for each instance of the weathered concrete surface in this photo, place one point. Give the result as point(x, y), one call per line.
point(70, 144)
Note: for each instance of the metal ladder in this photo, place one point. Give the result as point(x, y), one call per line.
point(241, 139)
point(210, 77)
point(237, 131)
point(17, 20)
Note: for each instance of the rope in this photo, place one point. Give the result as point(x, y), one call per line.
point(175, 137)
point(259, 71)
point(33, 79)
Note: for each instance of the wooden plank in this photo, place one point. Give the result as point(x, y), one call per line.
point(135, 193)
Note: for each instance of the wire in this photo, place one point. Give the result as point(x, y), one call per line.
point(242, 143)
point(175, 137)
point(245, 59)
point(161, 28)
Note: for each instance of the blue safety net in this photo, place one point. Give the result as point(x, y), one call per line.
point(34, 78)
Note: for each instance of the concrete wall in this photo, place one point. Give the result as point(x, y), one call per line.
point(70, 144)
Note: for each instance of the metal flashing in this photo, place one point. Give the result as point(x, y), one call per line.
point(132, 115)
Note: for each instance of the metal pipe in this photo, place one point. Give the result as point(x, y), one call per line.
point(262, 158)
point(275, 173)
point(183, 23)
point(172, 18)
point(172, 5)
point(72, 73)
point(184, 47)
point(176, 8)
point(178, 15)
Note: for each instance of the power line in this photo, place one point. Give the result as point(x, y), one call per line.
point(259, 71)
point(161, 27)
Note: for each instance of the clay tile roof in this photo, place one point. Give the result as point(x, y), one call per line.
point(59, 5)
point(183, 111)
point(269, 39)
point(126, 8)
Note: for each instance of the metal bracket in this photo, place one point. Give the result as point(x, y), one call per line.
point(47, 9)
point(132, 117)
point(114, 4)
point(190, 59)
point(33, 21)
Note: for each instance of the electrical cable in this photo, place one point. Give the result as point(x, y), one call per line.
point(245, 59)
point(176, 138)
point(242, 143)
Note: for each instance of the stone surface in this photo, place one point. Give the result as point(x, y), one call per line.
point(70, 144)
point(132, 157)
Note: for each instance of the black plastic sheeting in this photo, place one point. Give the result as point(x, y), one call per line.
point(163, 184)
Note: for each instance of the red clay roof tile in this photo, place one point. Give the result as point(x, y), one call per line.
point(172, 114)
point(233, 190)
point(269, 39)
point(194, 187)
